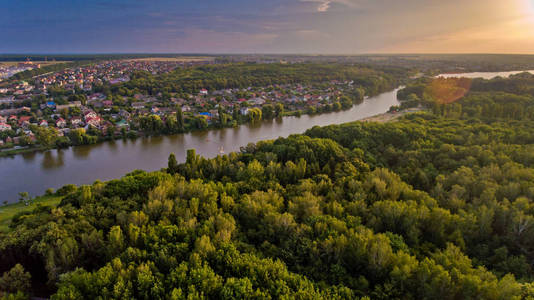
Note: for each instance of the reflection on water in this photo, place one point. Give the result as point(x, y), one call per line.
point(29, 157)
point(485, 75)
point(82, 152)
point(35, 172)
point(53, 159)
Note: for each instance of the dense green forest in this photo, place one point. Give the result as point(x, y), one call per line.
point(437, 205)
point(241, 75)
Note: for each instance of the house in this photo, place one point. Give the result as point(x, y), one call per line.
point(256, 101)
point(93, 121)
point(60, 123)
point(122, 124)
point(206, 114)
point(203, 92)
point(138, 105)
point(107, 103)
point(3, 119)
point(96, 96)
point(7, 100)
point(244, 111)
point(76, 121)
point(123, 113)
point(214, 113)
point(89, 115)
point(24, 120)
point(4, 127)
point(51, 104)
point(43, 123)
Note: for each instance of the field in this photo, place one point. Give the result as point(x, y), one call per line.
point(174, 59)
point(43, 63)
point(8, 211)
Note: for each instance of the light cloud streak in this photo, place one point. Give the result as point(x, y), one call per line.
point(274, 26)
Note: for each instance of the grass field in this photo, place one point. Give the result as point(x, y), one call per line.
point(8, 211)
point(43, 63)
point(176, 59)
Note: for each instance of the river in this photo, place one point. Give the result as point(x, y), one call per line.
point(37, 171)
point(485, 75)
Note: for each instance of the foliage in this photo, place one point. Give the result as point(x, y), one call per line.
point(423, 208)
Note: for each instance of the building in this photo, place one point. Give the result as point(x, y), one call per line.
point(244, 111)
point(4, 127)
point(24, 120)
point(138, 105)
point(60, 123)
point(93, 121)
point(76, 121)
point(7, 100)
point(89, 115)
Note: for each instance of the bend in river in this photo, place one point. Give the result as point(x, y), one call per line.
point(35, 172)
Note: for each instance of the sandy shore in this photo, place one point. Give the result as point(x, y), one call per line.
point(391, 116)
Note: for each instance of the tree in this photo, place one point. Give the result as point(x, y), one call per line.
point(254, 114)
point(346, 102)
point(201, 122)
point(180, 118)
point(173, 164)
point(77, 136)
point(16, 280)
point(279, 109)
point(24, 198)
point(268, 111)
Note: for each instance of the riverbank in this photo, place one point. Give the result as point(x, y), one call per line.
point(12, 152)
point(37, 171)
point(7, 212)
point(391, 116)
point(132, 135)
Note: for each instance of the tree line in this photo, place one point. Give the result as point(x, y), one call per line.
point(428, 207)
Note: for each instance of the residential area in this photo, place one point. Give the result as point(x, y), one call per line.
point(81, 105)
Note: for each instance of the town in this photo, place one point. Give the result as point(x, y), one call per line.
point(79, 106)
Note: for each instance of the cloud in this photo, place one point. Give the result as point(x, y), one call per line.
point(324, 6)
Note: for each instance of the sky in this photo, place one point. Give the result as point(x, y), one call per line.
point(267, 26)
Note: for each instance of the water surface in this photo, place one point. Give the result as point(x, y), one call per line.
point(35, 172)
point(485, 75)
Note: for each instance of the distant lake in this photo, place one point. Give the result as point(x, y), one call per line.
point(35, 172)
point(485, 75)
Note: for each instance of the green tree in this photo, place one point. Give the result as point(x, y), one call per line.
point(173, 164)
point(16, 280)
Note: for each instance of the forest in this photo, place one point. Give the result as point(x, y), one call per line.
point(244, 75)
point(437, 205)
